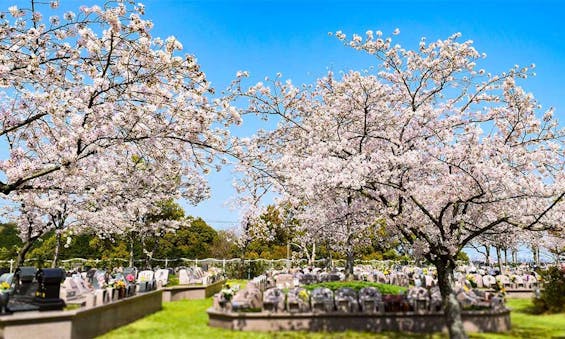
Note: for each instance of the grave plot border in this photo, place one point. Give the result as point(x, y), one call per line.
point(82, 323)
point(182, 292)
point(474, 321)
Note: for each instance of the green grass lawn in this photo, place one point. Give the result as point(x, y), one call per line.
point(188, 319)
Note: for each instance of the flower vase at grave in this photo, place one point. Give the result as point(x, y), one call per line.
point(121, 293)
point(4, 298)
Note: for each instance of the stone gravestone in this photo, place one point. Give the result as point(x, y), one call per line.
point(488, 281)
point(370, 300)
point(530, 281)
point(184, 279)
point(380, 277)
point(70, 289)
point(247, 299)
point(130, 270)
point(130, 274)
point(418, 298)
point(346, 300)
point(99, 283)
point(101, 296)
point(145, 281)
point(273, 300)
point(197, 275)
point(98, 279)
point(130, 286)
point(297, 300)
point(260, 282)
point(307, 279)
point(162, 277)
point(284, 280)
point(322, 300)
point(478, 280)
point(518, 281)
point(504, 280)
point(24, 290)
point(82, 285)
point(5, 295)
point(7, 278)
point(436, 303)
point(429, 281)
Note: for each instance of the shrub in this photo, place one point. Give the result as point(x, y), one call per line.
point(552, 296)
point(357, 285)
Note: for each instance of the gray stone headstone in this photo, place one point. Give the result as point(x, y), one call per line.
point(162, 277)
point(184, 279)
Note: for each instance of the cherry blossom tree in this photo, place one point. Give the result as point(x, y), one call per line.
point(39, 213)
point(77, 88)
point(445, 150)
point(128, 194)
point(343, 219)
point(501, 239)
point(116, 198)
point(554, 242)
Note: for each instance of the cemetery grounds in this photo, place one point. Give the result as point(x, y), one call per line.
point(188, 319)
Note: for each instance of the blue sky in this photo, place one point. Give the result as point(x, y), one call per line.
point(291, 37)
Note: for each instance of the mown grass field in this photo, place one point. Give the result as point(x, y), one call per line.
point(188, 319)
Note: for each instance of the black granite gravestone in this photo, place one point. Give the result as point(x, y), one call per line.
point(49, 284)
point(25, 287)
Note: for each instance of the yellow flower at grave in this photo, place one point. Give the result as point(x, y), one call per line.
point(119, 284)
point(4, 286)
point(303, 294)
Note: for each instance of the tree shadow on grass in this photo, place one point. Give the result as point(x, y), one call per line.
point(356, 335)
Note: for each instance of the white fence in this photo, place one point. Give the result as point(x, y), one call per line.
point(224, 263)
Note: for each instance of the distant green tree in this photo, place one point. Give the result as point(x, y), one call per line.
point(10, 241)
point(224, 246)
point(282, 234)
point(191, 241)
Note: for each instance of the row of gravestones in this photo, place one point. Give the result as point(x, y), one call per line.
point(92, 287)
point(196, 275)
point(32, 290)
point(49, 289)
point(95, 287)
point(525, 281)
point(491, 270)
point(287, 280)
point(403, 276)
point(367, 300)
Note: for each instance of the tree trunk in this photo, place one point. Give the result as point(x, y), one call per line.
point(57, 250)
point(452, 309)
point(499, 258)
point(349, 265)
point(487, 254)
point(506, 257)
point(131, 251)
point(535, 253)
point(313, 257)
point(23, 251)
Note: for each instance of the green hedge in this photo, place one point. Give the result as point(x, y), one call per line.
point(552, 298)
point(357, 285)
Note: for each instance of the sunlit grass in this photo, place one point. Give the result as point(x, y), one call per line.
point(188, 319)
point(525, 324)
